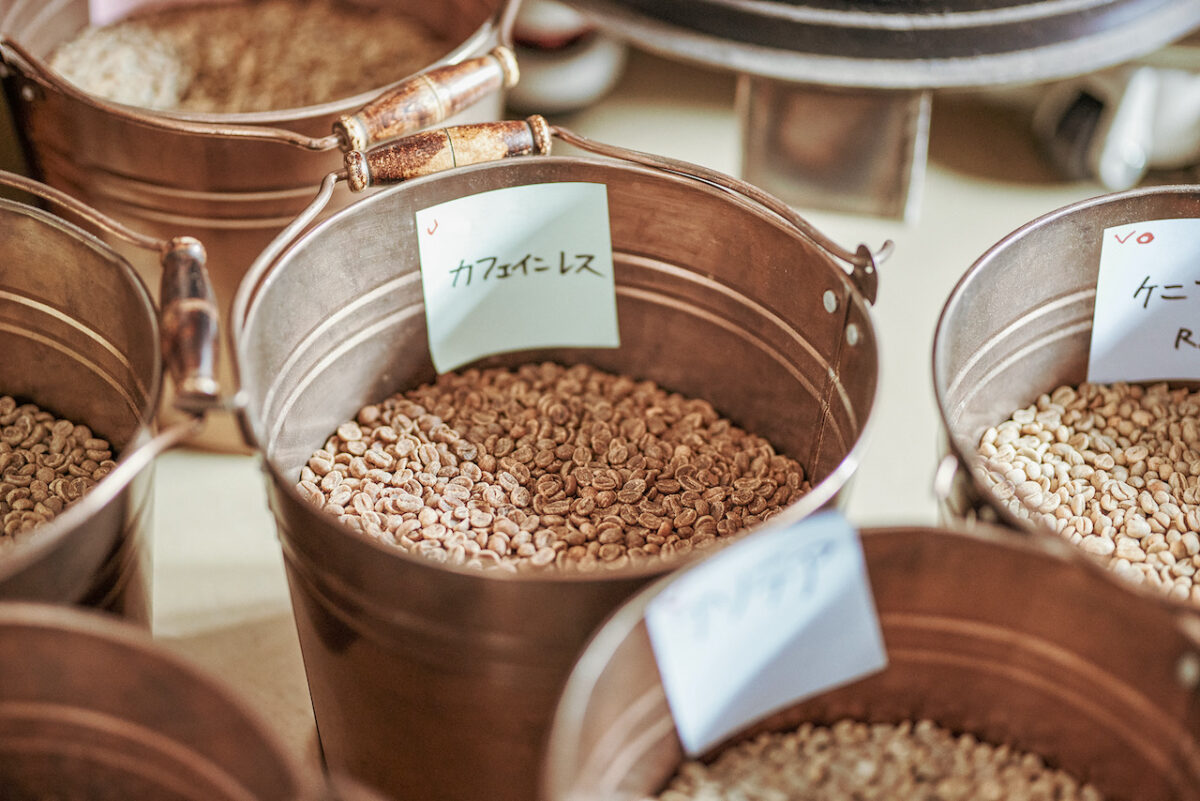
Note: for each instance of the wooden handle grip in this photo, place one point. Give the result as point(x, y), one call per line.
point(189, 326)
point(427, 99)
point(433, 151)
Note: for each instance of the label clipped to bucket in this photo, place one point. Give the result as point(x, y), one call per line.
point(517, 268)
point(1146, 326)
point(781, 615)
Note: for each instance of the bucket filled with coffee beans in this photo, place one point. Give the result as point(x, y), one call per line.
point(85, 351)
point(494, 401)
point(1014, 667)
point(1066, 381)
point(216, 117)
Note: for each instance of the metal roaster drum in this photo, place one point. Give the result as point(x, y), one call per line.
point(430, 680)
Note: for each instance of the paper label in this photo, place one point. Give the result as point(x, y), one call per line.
point(106, 12)
point(781, 615)
point(518, 268)
point(1147, 321)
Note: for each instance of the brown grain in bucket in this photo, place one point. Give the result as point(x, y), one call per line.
point(1118, 484)
point(231, 58)
point(901, 761)
point(607, 471)
point(46, 463)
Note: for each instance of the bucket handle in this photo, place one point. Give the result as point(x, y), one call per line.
point(188, 307)
point(433, 151)
point(423, 99)
point(863, 262)
point(429, 152)
point(426, 99)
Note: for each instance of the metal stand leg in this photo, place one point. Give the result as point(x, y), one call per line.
point(853, 150)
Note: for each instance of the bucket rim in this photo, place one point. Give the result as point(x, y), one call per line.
point(962, 449)
point(17, 556)
point(261, 272)
point(475, 42)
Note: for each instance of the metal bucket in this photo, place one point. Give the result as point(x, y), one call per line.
point(431, 681)
point(81, 338)
point(231, 180)
point(1104, 686)
point(1018, 325)
point(91, 709)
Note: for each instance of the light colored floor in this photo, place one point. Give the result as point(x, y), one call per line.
point(219, 592)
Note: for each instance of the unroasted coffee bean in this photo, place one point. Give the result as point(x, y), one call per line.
point(874, 762)
point(1113, 468)
point(569, 468)
point(247, 56)
point(46, 464)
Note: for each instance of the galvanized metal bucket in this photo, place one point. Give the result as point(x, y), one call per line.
point(81, 337)
point(231, 180)
point(432, 681)
point(1015, 640)
point(1018, 325)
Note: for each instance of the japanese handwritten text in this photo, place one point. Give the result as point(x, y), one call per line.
point(490, 268)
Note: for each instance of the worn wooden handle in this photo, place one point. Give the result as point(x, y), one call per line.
point(427, 99)
point(433, 151)
point(189, 326)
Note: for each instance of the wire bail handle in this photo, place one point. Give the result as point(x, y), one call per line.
point(433, 151)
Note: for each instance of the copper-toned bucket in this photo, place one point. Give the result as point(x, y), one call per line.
point(231, 180)
point(1015, 640)
point(432, 681)
point(92, 709)
point(81, 338)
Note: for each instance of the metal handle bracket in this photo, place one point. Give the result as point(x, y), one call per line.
point(189, 326)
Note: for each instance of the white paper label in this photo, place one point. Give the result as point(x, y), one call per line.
point(106, 12)
point(1147, 321)
point(518, 268)
point(783, 614)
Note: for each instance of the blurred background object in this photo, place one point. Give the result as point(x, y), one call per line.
point(834, 98)
point(566, 62)
point(1126, 124)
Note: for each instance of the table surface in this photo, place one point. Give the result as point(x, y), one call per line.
point(220, 597)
